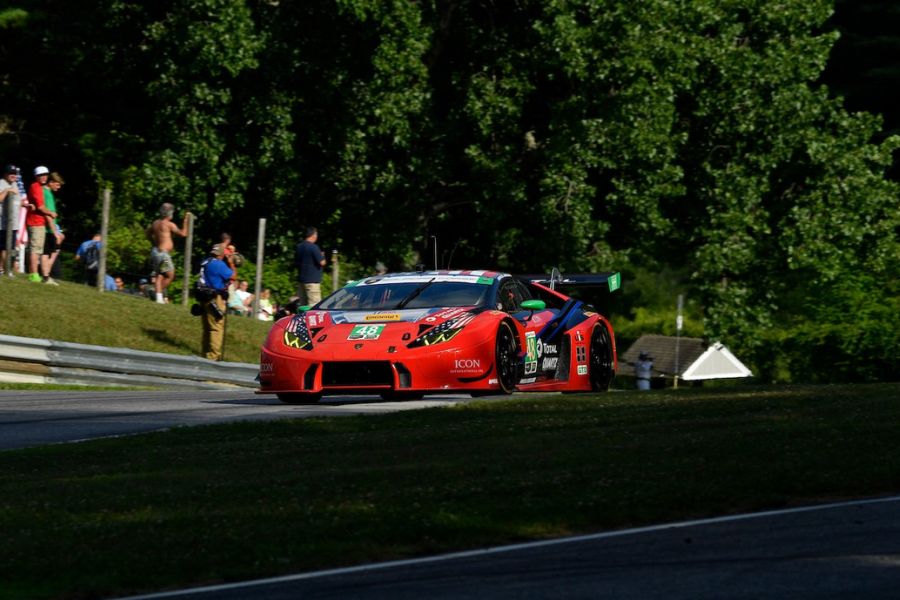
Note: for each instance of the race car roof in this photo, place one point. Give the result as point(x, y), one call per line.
point(477, 277)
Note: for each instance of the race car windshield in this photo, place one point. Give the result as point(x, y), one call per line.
point(387, 296)
point(413, 294)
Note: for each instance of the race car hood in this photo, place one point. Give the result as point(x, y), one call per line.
point(430, 316)
point(321, 328)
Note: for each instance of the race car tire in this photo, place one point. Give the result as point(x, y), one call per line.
point(299, 398)
point(506, 357)
point(402, 395)
point(601, 360)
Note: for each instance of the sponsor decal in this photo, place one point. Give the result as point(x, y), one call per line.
point(292, 340)
point(579, 337)
point(449, 314)
point(314, 319)
point(529, 380)
point(365, 332)
point(296, 334)
point(582, 369)
point(546, 348)
point(466, 365)
point(531, 353)
point(549, 364)
point(383, 317)
point(423, 277)
point(493, 381)
point(266, 368)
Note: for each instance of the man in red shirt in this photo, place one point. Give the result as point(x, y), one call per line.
point(36, 221)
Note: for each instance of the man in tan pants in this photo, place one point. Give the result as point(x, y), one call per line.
point(212, 290)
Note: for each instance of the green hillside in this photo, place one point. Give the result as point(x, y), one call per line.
point(76, 313)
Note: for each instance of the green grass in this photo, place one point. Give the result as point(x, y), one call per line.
point(77, 313)
point(232, 502)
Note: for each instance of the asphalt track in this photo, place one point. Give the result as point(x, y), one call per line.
point(842, 550)
point(33, 418)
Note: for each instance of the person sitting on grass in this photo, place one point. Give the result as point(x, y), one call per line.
point(241, 301)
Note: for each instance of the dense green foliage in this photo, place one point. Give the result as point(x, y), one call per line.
point(692, 137)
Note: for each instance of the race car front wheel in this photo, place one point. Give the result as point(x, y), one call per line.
point(506, 357)
point(601, 359)
point(296, 398)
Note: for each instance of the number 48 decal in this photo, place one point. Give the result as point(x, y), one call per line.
point(365, 332)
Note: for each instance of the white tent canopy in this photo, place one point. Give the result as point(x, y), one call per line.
point(716, 363)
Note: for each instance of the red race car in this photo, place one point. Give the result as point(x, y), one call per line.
point(404, 335)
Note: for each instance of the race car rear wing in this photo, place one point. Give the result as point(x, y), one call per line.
point(555, 280)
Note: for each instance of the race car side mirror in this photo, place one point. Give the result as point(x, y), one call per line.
point(303, 308)
point(533, 305)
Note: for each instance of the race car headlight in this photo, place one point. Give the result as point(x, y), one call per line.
point(444, 332)
point(296, 334)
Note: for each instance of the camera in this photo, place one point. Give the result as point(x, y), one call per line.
point(215, 311)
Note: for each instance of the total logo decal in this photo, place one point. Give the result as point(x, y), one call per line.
point(466, 365)
point(550, 355)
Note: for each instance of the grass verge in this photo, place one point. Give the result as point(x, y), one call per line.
point(232, 502)
point(77, 313)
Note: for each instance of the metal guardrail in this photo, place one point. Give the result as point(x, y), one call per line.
point(31, 360)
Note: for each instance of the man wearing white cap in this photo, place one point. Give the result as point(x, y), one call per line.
point(36, 221)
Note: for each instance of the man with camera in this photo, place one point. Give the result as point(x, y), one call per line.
point(212, 292)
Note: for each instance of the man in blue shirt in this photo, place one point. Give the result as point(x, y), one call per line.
point(212, 290)
point(309, 261)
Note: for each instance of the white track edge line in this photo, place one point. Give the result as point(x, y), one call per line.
point(510, 548)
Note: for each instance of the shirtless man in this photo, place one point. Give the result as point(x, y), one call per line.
point(160, 233)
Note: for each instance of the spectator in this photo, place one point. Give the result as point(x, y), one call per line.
point(212, 292)
point(160, 233)
point(643, 371)
point(240, 302)
point(146, 288)
point(88, 255)
point(10, 203)
point(232, 258)
point(309, 261)
point(53, 237)
point(109, 283)
point(266, 308)
point(36, 222)
point(380, 269)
